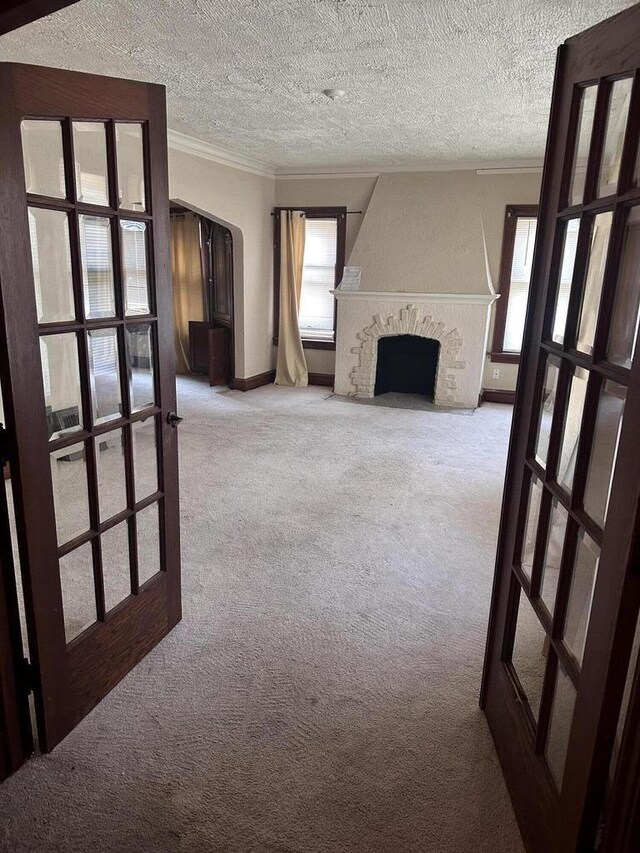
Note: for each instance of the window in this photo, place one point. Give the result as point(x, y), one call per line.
point(315, 317)
point(323, 265)
point(515, 275)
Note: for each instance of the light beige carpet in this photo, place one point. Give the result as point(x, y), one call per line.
point(320, 695)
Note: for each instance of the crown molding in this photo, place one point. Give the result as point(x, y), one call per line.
point(322, 176)
point(512, 170)
point(481, 167)
point(197, 147)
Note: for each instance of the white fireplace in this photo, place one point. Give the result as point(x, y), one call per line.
point(458, 321)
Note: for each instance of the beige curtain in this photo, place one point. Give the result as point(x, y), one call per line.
point(291, 367)
point(186, 271)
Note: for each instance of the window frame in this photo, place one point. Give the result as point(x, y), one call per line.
point(513, 212)
point(340, 215)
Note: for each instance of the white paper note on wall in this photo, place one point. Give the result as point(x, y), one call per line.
point(351, 278)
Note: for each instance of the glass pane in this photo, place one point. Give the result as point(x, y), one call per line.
point(600, 234)
point(583, 581)
point(70, 495)
point(140, 365)
point(104, 375)
point(97, 266)
point(567, 263)
point(624, 323)
point(618, 110)
point(51, 259)
point(131, 188)
point(603, 450)
point(78, 591)
point(529, 655)
point(43, 158)
point(115, 565)
point(531, 528)
point(571, 432)
point(547, 405)
point(553, 554)
point(90, 154)
point(145, 459)
point(61, 379)
point(147, 521)
point(134, 263)
point(564, 700)
point(583, 141)
point(112, 488)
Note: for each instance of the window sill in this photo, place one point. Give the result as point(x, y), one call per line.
point(310, 343)
point(505, 357)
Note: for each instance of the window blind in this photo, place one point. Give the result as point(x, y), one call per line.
point(134, 263)
point(95, 240)
point(315, 316)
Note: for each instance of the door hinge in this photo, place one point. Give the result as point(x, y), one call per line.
point(27, 677)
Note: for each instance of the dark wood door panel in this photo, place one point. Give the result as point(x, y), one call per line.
point(104, 184)
point(16, 742)
point(566, 592)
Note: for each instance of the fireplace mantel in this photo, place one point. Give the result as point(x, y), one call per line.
point(402, 296)
point(458, 321)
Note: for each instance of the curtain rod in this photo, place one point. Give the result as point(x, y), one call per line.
point(348, 212)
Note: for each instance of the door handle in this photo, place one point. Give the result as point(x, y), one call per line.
point(174, 419)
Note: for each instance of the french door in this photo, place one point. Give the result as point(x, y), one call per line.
point(87, 369)
point(567, 584)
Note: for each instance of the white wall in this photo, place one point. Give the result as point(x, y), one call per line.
point(352, 193)
point(245, 200)
point(423, 234)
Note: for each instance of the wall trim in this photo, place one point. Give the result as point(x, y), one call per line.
point(251, 382)
point(198, 148)
point(325, 379)
point(481, 167)
point(495, 395)
point(323, 175)
point(515, 170)
point(401, 296)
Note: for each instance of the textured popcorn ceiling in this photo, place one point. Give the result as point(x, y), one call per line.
point(426, 81)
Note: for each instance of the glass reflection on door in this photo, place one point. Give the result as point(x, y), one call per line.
point(571, 431)
point(626, 309)
point(139, 343)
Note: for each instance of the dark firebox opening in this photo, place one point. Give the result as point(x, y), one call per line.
point(408, 364)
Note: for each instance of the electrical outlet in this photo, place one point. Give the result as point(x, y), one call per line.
point(496, 373)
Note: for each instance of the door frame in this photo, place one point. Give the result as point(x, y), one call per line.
point(179, 205)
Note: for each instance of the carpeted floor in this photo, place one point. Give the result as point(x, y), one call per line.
point(320, 695)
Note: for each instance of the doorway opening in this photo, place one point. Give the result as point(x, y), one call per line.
point(202, 268)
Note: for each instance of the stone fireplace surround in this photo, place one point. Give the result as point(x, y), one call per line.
point(458, 321)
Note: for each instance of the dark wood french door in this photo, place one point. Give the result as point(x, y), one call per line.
point(87, 369)
point(567, 585)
